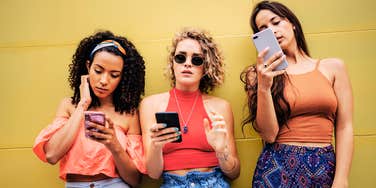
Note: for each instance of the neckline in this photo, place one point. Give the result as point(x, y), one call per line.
point(308, 72)
point(186, 94)
point(188, 97)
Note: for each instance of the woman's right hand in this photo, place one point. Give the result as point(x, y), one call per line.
point(160, 135)
point(265, 73)
point(85, 98)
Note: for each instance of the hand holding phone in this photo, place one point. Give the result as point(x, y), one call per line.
point(264, 39)
point(95, 117)
point(171, 119)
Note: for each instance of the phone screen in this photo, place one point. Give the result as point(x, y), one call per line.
point(171, 119)
point(266, 38)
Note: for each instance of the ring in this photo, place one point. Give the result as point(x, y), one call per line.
point(265, 65)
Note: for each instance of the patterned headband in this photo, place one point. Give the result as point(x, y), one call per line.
point(108, 43)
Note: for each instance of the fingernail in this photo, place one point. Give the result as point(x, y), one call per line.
point(164, 125)
point(176, 129)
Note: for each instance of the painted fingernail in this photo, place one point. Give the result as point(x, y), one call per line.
point(176, 129)
point(164, 125)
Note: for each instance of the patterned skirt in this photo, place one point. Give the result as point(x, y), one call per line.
point(281, 165)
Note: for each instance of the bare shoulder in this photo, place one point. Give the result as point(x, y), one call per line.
point(215, 103)
point(65, 107)
point(155, 102)
point(154, 99)
point(333, 64)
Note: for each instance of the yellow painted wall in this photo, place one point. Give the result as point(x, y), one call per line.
point(38, 38)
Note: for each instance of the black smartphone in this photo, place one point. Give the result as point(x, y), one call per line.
point(171, 119)
point(96, 117)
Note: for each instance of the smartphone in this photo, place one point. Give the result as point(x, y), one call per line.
point(96, 117)
point(171, 119)
point(266, 38)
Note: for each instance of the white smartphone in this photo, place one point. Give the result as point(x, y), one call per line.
point(266, 38)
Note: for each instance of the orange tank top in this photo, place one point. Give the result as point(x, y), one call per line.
point(313, 108)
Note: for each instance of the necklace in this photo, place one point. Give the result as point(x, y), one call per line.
point(185, 123)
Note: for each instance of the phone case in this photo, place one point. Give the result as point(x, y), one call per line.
point(96, 117)
point(266, 38)
point(171, 119)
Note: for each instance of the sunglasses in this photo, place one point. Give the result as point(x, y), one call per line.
point(181, 58)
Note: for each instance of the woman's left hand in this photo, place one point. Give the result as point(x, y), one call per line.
point(104, 134)
point(216, 135)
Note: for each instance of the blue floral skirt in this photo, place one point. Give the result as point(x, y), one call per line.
point(281, 165)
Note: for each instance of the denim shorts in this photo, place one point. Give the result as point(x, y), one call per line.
point(107, 183)
point(213, 179)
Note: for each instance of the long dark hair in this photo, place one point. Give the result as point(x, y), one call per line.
point(127, 94)
point(281, 105)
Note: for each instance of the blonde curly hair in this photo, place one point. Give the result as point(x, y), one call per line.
point(213, 59)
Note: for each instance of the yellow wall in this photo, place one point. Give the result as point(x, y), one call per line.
point(38, 38)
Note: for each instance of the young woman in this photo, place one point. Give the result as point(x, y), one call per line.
point(296, 110)
point(106, 75)
point(207, 152)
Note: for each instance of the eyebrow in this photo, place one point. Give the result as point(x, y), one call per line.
point(271, 19)
point(185, 53)
point(113, 71)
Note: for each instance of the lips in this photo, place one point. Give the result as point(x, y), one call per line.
point(101, 90)
point(279, 39)
point(186, 72)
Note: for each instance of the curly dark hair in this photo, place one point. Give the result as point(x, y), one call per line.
point(213, 59)
point(127, 94)
point(281, 105)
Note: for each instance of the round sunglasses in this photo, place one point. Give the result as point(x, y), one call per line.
point(196, 60)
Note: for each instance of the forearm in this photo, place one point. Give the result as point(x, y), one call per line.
point(344, 151)
point(125, 166)
point(154, 162)
point(266, 119)
point(63, 139)
point(229, 164)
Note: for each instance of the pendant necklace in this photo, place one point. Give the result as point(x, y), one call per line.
point(185, 123)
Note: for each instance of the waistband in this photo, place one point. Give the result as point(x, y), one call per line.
point(298, 149)
point(86, 178)
point(118, 182)
point(193, 175)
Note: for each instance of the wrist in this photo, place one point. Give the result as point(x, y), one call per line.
point(264, 90)
point(83, 104)
point(116, 148)
point(222, 155)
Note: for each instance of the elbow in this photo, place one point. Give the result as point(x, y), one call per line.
point(233, 176)
point(50, 158)
point(269, 138)
point(154, 175)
